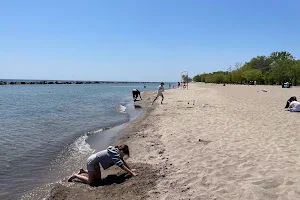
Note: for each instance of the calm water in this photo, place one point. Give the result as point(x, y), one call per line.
point(45, 130)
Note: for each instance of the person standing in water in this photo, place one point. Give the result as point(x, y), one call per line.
point(160, 91)
point(106, 158)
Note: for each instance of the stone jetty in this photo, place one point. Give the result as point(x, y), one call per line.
point(61, 82)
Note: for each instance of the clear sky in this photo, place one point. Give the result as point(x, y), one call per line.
point(141, 40)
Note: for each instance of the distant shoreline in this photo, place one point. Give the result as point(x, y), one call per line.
point(45, 82)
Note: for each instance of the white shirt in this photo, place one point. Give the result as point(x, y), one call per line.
point(161, 89)
point(295, 106)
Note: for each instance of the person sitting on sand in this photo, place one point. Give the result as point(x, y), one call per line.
point(294, 106)
point(293, 98)
point(160, 91)
point(135, 94)
point(106, 158)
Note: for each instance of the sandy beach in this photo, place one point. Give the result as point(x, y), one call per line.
point(209, 142)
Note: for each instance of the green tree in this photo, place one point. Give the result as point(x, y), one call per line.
point(281, 70)
point(281, 55)
point(237, 75)
point(261, 63)
point(268, 78)
point(278, 67)
point(203, 77)
point(226, 78)
point(208, 78)
point(197, 78)
point(252, 75)
point(218, 78)
point(294, 72)
point(282, 66)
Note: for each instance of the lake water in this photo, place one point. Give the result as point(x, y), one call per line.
point(48, 131)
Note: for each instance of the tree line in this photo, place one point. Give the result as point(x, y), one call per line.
point(277, 68)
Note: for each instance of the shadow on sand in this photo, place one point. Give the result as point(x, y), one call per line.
point(109, 180)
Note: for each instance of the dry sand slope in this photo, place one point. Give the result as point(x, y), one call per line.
point(234, 143)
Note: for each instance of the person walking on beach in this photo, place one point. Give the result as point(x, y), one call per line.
point(160, 91)
point(135, 94)
point(106, 158)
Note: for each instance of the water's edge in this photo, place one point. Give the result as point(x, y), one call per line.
point(96, 140)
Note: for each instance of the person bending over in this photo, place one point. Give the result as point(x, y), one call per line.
point(106, 158)
point(135, 94)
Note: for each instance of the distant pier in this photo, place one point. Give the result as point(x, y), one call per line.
point(63, 82)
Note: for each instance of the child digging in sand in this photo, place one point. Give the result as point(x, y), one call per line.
point(106, 158)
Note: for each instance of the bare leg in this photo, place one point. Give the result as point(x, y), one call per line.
point(82, 178)
point(97, 173)
point(89, 180)
point(162, 99)
point(154, 100)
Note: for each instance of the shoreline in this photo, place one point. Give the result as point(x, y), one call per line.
point(96, 139)
point(116, 182)
point(209, 142)
point(73, 150)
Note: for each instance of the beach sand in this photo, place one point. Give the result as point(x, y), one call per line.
point(208, 142)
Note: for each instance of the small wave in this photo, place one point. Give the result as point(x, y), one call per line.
point(67, 161)
point(121, 109)
point(81, 146)
point(96, 131)
point(71, 155)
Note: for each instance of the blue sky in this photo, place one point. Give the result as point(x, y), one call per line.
point(141, 40)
